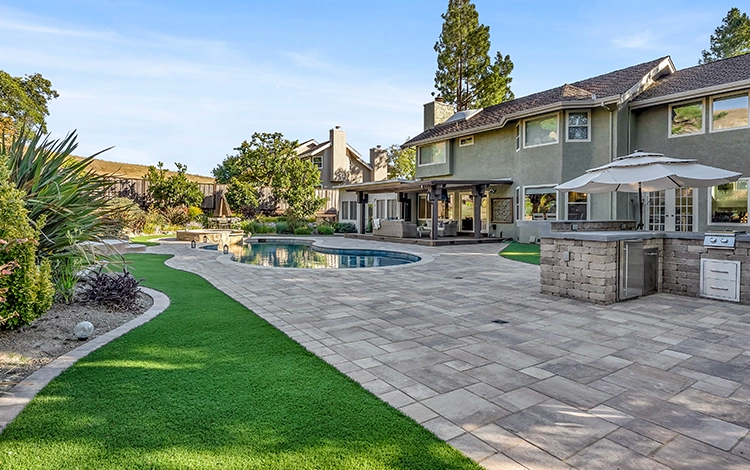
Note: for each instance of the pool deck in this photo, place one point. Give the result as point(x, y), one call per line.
point(464, 343)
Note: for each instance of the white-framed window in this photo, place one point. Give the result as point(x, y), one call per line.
point(466, 141)
point(541, 131)
point(728, 203)
point(380, 209)
point(729, 112)
point(432, 154)
point(318, 162)
point(353, 210)
point(579, 126)
point(344, 213)
point(518, 137)
point(578, 206)
point(686, 119)
point(392, 207)
point(539, 203)
point(519, 214)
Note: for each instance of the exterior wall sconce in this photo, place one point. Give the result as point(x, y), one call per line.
point(226, 249)
point(192, 243)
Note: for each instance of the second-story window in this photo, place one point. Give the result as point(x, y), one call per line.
point(518, 137)
point(686, 119)
point(318, 162)
point(466, 141)
point(729, 112)
point(541, 131)
point(432, 154)
point(579, 126)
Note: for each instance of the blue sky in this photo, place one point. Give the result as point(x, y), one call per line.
point(188, 81)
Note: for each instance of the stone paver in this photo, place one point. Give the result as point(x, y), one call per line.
point(661, 382)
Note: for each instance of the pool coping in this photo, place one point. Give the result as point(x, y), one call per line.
point(24, 391)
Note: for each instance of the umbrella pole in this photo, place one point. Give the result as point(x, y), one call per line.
point(640, 209)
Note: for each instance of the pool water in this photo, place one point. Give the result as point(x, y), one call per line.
point(289, 255)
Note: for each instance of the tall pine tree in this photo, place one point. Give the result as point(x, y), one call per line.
point(466, 76)
point(730, 39)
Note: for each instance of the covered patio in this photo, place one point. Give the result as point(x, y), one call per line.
point(437, 191)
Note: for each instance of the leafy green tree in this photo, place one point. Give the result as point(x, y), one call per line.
point(730, 39)
point(466, 76)
point(168, 192)
point(269, 160)
point(25, 286)
point(23, 103)
point(402, 162)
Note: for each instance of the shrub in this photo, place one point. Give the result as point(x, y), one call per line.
point(282, 227)
point(194, 213)
point(62, 195)
point(154, 223)
point(177, 215)
point(127, 214)
point(303, 231)
point(65, 277)
point(346, 227)
point(113, 290)
point(27, 286)
point(325, 230)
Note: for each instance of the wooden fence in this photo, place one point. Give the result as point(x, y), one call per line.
point(137, 190)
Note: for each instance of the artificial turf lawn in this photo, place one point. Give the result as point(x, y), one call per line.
point(523, 252)
point(208, 384)
point(146, 239)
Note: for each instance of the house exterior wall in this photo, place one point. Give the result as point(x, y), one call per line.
point(727, 149)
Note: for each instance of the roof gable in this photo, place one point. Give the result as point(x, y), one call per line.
point(720, 72)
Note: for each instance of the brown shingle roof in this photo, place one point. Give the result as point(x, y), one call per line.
point(610, 84)
point(723, 71)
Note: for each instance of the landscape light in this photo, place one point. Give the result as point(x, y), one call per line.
point(192, 243)
point(83, 330)
point(226, 249)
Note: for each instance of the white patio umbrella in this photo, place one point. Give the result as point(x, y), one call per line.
point(645, 171)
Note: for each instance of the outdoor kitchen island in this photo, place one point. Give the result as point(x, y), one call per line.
point(608, 261)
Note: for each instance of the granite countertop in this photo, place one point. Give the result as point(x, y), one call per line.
point(616, 235)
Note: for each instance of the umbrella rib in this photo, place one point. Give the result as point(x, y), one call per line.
point(675, 182)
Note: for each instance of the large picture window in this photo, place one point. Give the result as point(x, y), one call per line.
point(433, 154)
point(541, 131)
point(392, 208)
point(579, 126)
point(729, 112)
point(729, 203)
point(540, 203)
point(686, 119)
point(445, 208)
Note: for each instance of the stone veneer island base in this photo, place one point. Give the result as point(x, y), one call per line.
point(584, 264)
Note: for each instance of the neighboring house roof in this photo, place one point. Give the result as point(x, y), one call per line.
point(311, 148)
point(712, 74)
point(603, 86)
point(314, 150)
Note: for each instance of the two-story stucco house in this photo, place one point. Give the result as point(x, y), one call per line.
point(535, 142)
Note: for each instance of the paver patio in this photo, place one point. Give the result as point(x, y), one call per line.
point(654, 383)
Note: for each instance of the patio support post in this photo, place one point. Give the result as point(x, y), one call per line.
point(477, 193)
point(434, 197)
point(362, 200)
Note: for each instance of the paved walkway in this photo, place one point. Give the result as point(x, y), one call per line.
point(464, 344)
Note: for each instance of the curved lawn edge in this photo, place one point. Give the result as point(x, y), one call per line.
point(20, 395)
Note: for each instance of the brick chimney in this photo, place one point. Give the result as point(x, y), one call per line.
point(379, 163)
point(437, 112)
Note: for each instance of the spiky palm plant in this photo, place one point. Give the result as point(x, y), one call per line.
point(64, 197)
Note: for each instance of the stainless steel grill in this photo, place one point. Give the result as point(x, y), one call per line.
point(723, 240)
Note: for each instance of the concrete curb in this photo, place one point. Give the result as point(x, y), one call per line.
point(19, 396)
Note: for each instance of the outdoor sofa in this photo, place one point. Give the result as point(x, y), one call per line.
point(394, 228)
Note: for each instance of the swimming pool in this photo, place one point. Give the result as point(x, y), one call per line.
point(285, 254)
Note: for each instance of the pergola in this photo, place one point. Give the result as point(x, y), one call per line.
point(436, 189)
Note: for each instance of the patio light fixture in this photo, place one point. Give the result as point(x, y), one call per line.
point(192, 243)
point(226, 249)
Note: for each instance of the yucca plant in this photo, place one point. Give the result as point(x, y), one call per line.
point(63, 195)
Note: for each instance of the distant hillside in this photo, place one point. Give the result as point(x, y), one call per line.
point(132, 170)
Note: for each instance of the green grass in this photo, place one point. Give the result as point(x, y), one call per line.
point(208, 384)
point(146, 239)
point(523, 252)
